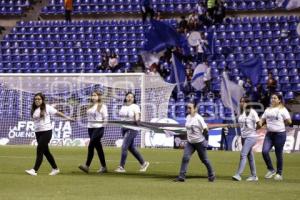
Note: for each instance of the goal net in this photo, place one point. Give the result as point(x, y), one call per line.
point(70, 94)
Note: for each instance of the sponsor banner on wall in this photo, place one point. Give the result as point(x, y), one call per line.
point(23, 133)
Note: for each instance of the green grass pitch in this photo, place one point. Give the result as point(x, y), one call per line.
point(156, 183)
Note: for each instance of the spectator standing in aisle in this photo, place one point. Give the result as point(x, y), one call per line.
point(68, 10)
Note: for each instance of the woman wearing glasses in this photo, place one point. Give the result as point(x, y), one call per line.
point(248, 122)
point(41, 114)
point(197, 132)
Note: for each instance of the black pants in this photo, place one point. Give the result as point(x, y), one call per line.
point(43, 138)
point(147, 11)
point(68, 15)
point(95, 142)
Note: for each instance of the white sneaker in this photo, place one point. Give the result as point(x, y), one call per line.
point(102, 170)
point(278, 177)
point(270, 174)
point(54, 172)
point(31, 172)
point(237, 177)
point(120, 170)
point(84, 168)
point(252, 178)
point(144, 167)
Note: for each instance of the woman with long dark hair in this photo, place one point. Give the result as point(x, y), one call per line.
point(96, 113)
point(248, 122)
point(275, 117)
point(130, 111)
point(41, 114)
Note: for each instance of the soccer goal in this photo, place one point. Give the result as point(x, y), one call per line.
point(70, 93)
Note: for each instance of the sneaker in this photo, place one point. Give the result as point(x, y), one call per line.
point(31, 172)
point(102, 170)
point(84, 168)
point(54, 172)
point(252, 178)
point(278, 177)
point(179, 179)
point(144, 167)
point(120, 170)
point(211, 178)
point(237, 177)
point(270, 174)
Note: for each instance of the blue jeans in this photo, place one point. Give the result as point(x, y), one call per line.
point(128, 144)
point(277, 140)
point(189, 149)
point(246, 152)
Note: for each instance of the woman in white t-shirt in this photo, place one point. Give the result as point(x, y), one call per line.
point(197, 132)
point(41, 114)
point(96, 114)
point(130, 111)
point(248, 122)
point(275, 117)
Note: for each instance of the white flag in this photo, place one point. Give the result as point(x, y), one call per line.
point(231, 93)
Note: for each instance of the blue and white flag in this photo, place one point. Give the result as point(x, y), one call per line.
point(158, 38)
point(161, 36)
point(200, 75)
point(288, 4)
point(177, 72)
point(231, 93)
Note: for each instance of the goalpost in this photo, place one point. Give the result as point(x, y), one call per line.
point(70, 93)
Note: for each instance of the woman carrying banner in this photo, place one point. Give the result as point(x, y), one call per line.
point(248, 122)
point(275, 117)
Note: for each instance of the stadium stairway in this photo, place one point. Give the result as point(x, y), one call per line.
point(32, 13)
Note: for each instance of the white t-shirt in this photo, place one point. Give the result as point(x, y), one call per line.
point(275, 118)
point(248, 124)
point(195, 126)
point(127, 113)
point(43, 124)
point(94, 115)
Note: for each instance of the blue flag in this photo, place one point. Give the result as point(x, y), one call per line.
point(211, 40)
point(252, 69)
point(161, 36)
point(177, 72)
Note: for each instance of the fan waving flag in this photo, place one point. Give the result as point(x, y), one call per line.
point(201, 74)
point(161, 36)
point(231, 93)
point(288, 4)
point(178, 72)
point(158, 38)
point(252, 69)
